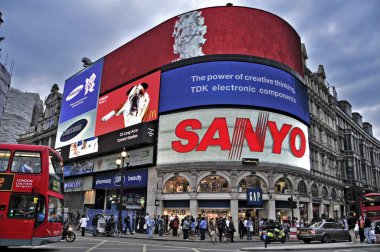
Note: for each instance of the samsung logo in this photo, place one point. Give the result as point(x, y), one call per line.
point(74, 93)
point(73, 130)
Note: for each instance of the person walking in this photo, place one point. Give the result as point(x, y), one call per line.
point(241, 228)
point(185, 228)
point(94, 225)
point(351, 221)
point(150, 226)
point(161, 226)
point(367, 228)
point(83, 223)
point(175, 226)
point(361, 229)
point(249, 227)
point(231, 227)
point(203, 227)
point(127, 221)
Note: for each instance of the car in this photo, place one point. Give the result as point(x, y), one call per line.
point(324, 232)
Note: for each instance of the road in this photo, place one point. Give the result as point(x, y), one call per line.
point(105, 244)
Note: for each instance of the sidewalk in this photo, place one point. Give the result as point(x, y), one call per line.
point(313, 246)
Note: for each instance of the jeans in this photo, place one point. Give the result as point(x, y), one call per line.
point(249, 234)
point(367, 234)
point(352, 234)
point(150, 232)
point(202, 233)
point(94, 231)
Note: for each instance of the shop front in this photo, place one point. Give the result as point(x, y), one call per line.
point(107, 186)
point(214, 208)
point(79, 194)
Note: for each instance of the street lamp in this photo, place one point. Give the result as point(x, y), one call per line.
point(120, 165)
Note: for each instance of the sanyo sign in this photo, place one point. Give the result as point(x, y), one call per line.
point(230, 135)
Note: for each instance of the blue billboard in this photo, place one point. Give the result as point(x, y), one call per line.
point(233, 83)
point(112, 180)
point(81, 92)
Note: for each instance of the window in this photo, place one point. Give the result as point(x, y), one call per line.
point(55, 173)
point(251, 182)
point(213, 184)
point(302, 188)
point(314, 190)
point(55, 213)
point(26, 162)
point(177, 184)
point(283, 185)
point(333, 194)
point(324, 193)
point(4, 159)
point(41, 211)
point(22, 206)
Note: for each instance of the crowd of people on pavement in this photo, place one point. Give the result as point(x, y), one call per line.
point(191, 228)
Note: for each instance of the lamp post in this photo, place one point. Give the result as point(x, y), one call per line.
point(120, 165)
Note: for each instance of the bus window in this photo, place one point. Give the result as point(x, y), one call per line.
point(55, 213)
point(55, 173)
point(41, 211)
point(26, 162)
point(4, 159)
point(22, 206)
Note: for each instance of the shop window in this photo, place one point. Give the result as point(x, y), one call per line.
point(314, 190)
point(324, 193)
point(4, 159)
point(283, 185)
point(177, 184)
point(302, 188)
point(213, 184)
point(333, 194)
point(251, 182)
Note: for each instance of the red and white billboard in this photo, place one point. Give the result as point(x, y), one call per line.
point(131, 104)
point(209, 31)
point(233, 134)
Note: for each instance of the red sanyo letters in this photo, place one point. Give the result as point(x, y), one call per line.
point(185, 130)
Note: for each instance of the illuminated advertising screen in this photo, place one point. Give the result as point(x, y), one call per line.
point(209, 31)
point(76, 129)
point(233, 83)
point(227, 134)
point(78, 168)
point(131, 104)
point(81, 92)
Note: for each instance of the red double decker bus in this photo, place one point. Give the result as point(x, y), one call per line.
point(371, 205)
point(31, 195)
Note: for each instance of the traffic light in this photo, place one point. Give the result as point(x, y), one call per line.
point(292, 203)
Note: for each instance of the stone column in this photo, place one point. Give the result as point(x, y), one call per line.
point(310, 211)
point(193, 204)
point(272, 209)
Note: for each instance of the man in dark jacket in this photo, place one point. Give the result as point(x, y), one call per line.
point(351, 222)
point(127, 221)
point(367, 227)
point(221, 225)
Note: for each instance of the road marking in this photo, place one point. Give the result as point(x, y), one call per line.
point(144, 248)
point(90, 249)
point(196, 250)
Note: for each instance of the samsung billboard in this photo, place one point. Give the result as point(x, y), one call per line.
point(233, 83)
point(227, 134)
point(81, 92)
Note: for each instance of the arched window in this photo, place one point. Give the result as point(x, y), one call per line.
point(177, 184)
point(251, 181)
point(324, 192)
point(283, 185)
point(333, 194)
point(314, 190)
point(302, 188)
point(213, 183)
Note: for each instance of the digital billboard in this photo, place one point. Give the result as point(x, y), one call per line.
point(76, 129)
point(81, 92)
point(233, 83)
point(209, 31)
point(131, 104)
point(209, 135)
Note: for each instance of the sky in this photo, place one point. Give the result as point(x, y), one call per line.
point(46, 39)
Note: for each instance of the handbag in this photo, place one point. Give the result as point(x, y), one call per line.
point(251, 228)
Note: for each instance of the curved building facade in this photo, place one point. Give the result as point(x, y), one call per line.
point(214, 107)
